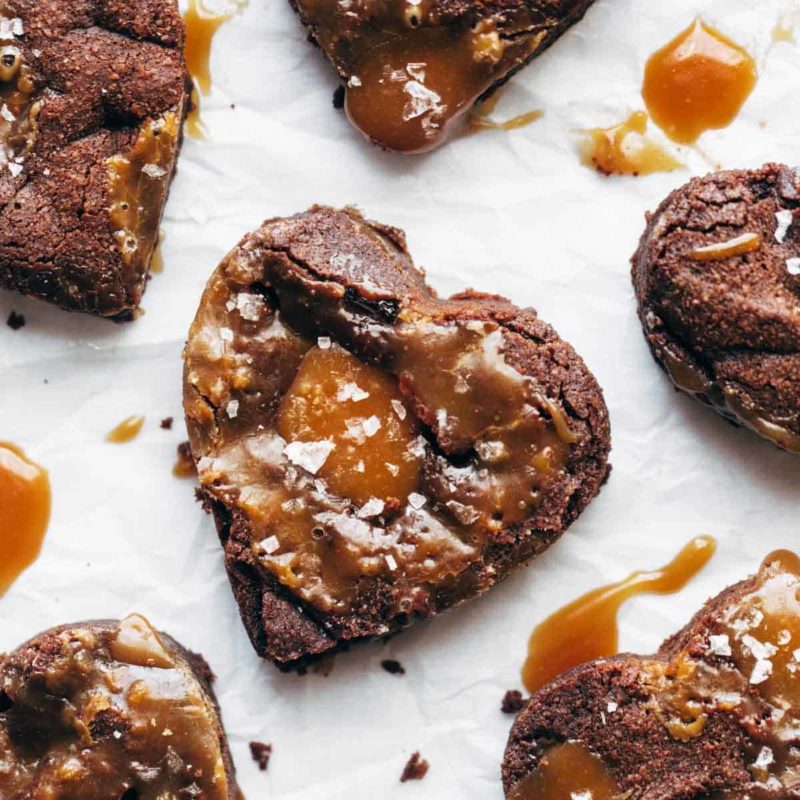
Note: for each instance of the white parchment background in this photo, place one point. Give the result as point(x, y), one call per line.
point(508, 212)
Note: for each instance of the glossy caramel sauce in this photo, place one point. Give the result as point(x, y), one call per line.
point(624, 149)
point(697, 82)
point(480, 118)
point(126, 431)
point(138, 182)
point(411, 80)
point(719, 251)
point(24, 512)
point(349, 473)
point(201, 27)
point(115, 712)
point(586, 629)
point(567, 772)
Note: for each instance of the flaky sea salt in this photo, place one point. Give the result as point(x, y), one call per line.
point(232, 409)
point(154, 171)
point(392, 468)
point(416, 501)
point(371, 425)
point(15, 169)
point(226, 334)
point(249, 306)
point(793, 266)
point(612, 707)
point(720, 645)
point(784, 219)
point(324, 342)
point(765, 757)
point(784, 637)
point(399, 409)
point(583, 795)
point(761, 671)
point(761, 650)
point(371, 508)
point(309, 455)
point(7, 113)
point(270, 545)
point(351, 391)
point(391, 562)
point(360, 468)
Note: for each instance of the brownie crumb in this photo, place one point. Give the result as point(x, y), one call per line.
point(261, 754)
point(415, 769)
point(513, 702)
point(393, 667)
point(338, 97)
point(166, 423)
point(15, 321)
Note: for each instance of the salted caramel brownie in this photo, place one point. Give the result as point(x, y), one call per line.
point(714, 715)
point(92, 98)
point(371, 453)
point(102, 710)
point(717, 278)
point(413, 70)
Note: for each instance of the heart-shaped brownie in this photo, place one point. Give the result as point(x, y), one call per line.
point(370, 452)
point(413, 68)
point(717, 277)
point(93, 96)
point(715, 714)
point(105, 709)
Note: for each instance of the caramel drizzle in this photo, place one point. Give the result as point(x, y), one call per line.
point(719, 251)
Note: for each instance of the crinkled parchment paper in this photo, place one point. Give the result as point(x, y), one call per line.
point(510, 212)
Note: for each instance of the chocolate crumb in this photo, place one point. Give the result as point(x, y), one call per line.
point(393, 667)
point(338, 97)
point(261, 754)
point(166, 423)
point(415, 769)
point(15, 321)
point(513, 702)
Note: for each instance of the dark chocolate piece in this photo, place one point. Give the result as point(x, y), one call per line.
point(714, 714)
point(373, 454)
point(717, 277)
point(93, 96)
point(166, 423)
point(513, 702)
point(110, 709)
point(261, 754)
point(393, 667)
point(414, 70)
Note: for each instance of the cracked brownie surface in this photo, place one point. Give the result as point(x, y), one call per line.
point(413, 70)
point(93, 93)
point(717, 278)
point(372, 453)
point(712, 716)
point(105, 710)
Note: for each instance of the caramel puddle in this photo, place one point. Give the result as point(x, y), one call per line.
point(697, 82)
point(479, 119)
point(126, 431)
point(625, 150)
point(201, 27)
point(586, 628)
point(25, 502)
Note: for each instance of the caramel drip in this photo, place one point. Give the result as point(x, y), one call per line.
point(201, 28)
point(586, 629)
point(126, 431)
point(699, 81)
point(719, 251)
point(624, 149)
point(567, 771)
point(157, 261)
point(480, 117)
point(24, 512)
point(184, 463)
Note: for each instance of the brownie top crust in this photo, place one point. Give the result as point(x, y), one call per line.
point(92, 98)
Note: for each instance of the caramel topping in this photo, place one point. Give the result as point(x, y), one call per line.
point(201, 27)
point(625, 150)
point(586, 629)
point(410, 81)
point(719, 251)
point(567, 771)
point(108, 712)
point(697, 82)
point(24, 512)
point(351, 473)
point(138, 182)
point(357, 410)
point(776, 430)
point(126, 431)
point(480, 119)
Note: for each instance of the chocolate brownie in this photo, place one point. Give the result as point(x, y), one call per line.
point(370, 452)
point(413, 70)
point(92, 98)
point(714, 714)
point(717, 278)
point(100, 710)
